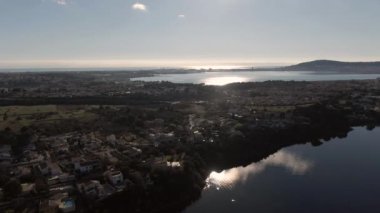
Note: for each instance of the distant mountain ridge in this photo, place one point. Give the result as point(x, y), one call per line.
point(335, 66)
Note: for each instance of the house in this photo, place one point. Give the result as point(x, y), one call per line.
point(58, 143)
point(60, 201)
point(94, 188)
point(86, 166)
point(65, 188)
point(116, 178)
point(62, 178)
point(43, 168)
point(107, 190)
point(67, 205)
point(5, 153)
point(5, 149)
point(30, 147)
point(132, 152)
point(29, 156)
point(45, 206)
point(173, 164)
point(4, 90)
point(161, 137)
point(27, 188)
point(5, 156)
point(111, 139)
point(21, 171)
point(90, 188)
point(198, 136)
point(93, 144)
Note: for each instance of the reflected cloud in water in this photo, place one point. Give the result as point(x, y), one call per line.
point(228, 178)
point(221, 81)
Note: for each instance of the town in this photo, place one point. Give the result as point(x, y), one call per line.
point(98, 142)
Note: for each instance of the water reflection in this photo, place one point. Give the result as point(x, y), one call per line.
point(340, 176)
point(221, 81)
point(228, 178)
point(223, 78)
point(216, 67)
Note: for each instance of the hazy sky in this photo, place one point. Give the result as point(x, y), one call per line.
point(120, 33)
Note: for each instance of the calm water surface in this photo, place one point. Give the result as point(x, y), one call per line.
point(223, 78)
point(342, 175)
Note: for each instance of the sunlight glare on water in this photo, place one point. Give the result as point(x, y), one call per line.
point(221, 81)
point(228, 178)
point(216, 67)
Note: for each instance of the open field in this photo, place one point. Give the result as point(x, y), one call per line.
point(16, 117)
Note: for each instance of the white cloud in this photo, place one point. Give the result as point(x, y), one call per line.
point(61, 2)
point(139, 6)
point(181, 16)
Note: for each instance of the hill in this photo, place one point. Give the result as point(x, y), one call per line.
point(335, 66)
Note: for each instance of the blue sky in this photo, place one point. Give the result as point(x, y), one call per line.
point(124, 33)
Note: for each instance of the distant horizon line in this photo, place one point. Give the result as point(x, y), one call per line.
point(79, 65)
point(117, 65)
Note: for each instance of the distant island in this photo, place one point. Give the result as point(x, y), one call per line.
point(336, 66)
point(331, 66)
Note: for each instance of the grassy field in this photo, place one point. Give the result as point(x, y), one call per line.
point(278, 108)
point(16, 117)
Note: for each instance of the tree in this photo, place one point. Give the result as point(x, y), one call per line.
point(23, 129)
point(41, 185)
point(12, 189)
point(21, 141)
point(4, 179)
point(5, 117)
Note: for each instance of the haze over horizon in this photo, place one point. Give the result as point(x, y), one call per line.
point(185, 33)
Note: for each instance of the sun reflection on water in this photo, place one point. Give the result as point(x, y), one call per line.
point(228, 178)
point(216, 67)
point(221, 81)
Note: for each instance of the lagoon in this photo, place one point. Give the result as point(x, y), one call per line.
point(341, 175)
point(227, 77)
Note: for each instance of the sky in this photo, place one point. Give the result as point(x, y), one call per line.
point(185, 33)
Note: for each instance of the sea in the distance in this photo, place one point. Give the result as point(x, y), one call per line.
point(341, 175)
point(227, 77)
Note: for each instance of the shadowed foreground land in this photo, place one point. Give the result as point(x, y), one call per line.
point(111, 145)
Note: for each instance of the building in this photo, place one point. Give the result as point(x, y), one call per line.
point(43, 168)
point(115, 178)
point(85, 167)
point(5, 153)
point(60, 202)
point(90, 188)
point(67, 205)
